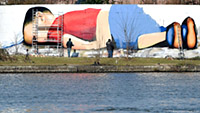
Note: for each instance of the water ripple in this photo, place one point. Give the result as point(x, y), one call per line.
point(108, 92)
point(122, 109)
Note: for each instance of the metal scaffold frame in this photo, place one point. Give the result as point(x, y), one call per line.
point(180, 44)
point(36, 31)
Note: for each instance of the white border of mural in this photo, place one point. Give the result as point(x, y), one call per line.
point(12, 17)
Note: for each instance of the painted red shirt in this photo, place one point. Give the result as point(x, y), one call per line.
point(80, 23)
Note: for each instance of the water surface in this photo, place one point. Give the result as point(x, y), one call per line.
point(102, 92)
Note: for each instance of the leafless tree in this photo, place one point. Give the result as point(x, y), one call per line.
point(15, 42)
point(127, 35)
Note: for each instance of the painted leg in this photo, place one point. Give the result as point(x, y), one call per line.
point(150, 40)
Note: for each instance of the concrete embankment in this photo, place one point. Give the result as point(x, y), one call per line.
point(98, 69)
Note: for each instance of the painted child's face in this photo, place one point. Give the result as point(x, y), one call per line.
point(44, 21)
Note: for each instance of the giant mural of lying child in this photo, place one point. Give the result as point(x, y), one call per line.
point(127, 25)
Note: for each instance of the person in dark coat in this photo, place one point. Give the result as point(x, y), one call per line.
point(69, 46)
point(110, 48)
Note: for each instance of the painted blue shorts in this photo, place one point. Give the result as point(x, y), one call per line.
point(128, 22)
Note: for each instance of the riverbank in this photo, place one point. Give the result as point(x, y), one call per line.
point(98, 69)
point(106, 65)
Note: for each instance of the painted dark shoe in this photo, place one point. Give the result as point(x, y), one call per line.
point(189, 34)
point(173, 35)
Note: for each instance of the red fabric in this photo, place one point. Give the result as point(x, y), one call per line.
point(81, 23)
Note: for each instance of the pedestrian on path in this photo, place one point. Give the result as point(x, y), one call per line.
point(69, 46)
point(110, 48)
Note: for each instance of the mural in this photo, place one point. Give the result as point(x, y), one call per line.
point(90, 26)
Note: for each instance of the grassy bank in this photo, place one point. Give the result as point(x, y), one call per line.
point(20, 61)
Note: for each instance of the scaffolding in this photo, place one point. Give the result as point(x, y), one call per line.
point(180, 44)
point(39, 30)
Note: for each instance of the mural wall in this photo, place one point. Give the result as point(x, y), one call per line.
point(90, 26)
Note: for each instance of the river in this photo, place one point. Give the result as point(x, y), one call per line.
point(100, 92)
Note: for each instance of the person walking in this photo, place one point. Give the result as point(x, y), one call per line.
point(69, 46)
point(110, 48)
